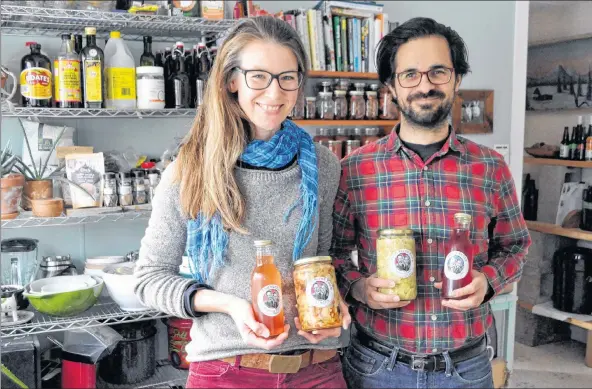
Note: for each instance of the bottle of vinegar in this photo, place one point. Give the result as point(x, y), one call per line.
point(266, 290)
point(459, 258)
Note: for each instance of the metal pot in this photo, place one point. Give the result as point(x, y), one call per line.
point(55, 266)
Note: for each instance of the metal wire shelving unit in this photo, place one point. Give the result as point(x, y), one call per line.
point(24, 20)
point(24, 221)
point(82, 113)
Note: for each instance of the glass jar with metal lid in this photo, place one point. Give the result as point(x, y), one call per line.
point(311, 107)
point(124, 189)
point(342, 134)
point(336, 146)
point(357, 105)
point(370, 135)
point(360, 86)
point(340, 105)
point(326, 106)
point(317, 295)
point(323, 134)
point(371, 105)
point(396, 260)
point(326, 86)
point(110, 189)
point(350, 146)
point(356, 134)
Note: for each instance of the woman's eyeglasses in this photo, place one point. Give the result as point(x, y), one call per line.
point(261, 79)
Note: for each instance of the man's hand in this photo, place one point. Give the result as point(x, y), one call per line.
point(366, 291)
point(473, 294)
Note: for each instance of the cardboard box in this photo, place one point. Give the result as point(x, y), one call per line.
point(500, 374)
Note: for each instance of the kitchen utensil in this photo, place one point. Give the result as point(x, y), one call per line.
point(120, 282)
point(134, 358)
point(65, 303)
point(55, 266)
point(24, 251)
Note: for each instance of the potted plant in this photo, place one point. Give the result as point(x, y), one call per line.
point(38, 180)
point(11, 184)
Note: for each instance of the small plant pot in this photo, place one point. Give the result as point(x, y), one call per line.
point(36, 190)
point(48, 207)
point(12, 192)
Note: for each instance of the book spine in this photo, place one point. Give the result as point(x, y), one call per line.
point(337, 36)
point(311, 18)
point(329, 37)
point(321, 52)
point(302, 26)
point(344, 44)
point(350, 44)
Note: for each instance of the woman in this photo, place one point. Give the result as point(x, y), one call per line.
point(244, 173)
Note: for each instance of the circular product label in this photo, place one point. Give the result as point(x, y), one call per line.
point(269, 300)
point(92, 52)
point(456, 265)
point(319, 292)
point(402, 263)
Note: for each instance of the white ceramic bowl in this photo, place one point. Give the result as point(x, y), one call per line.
point(61, 288)
point(121, 287)
point(105, 260)
point(84, 281)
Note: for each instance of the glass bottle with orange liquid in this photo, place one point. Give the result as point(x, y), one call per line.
point(266, 290)
point(459, 258)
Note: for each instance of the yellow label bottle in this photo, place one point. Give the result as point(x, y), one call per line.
point(67, 76)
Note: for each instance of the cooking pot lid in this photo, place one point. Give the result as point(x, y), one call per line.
point(18, 245)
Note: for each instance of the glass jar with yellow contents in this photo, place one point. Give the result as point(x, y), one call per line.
point(395, 250)
point(317, 296)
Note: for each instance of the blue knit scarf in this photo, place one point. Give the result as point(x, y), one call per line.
point(206, 239)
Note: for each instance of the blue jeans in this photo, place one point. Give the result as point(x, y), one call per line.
point(365, 368)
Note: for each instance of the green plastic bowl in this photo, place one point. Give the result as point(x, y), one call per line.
point(65, 303)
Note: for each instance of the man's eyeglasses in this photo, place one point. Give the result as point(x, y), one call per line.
point(260, 79)
point(437, 76)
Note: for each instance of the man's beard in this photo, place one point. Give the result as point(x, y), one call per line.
point(429, 119)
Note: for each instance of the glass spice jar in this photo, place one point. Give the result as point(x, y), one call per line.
point(124, 189)
point(298, 111)
point(336, 146)
point(351, 145)
point(311, 107)
point(323, 134)
point(360, 87)
point(370, 135)
point(109, 189)
point(326, 106)
point(340, 105)
point(357, 105)
point(139, 187)
point(371, 105)
point(342, 134)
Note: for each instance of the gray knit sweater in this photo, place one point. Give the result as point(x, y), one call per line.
point(268, 195)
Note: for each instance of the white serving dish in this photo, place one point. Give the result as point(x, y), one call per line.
point(37, 285)
point(121, 287)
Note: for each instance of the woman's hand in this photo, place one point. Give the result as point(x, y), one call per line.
point(254, 333)
point(317, 336)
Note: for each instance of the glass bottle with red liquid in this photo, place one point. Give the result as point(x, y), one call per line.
point(459, 257)
point(266, 289)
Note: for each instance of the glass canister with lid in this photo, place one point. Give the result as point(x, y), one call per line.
point(311, 107)
point(138, 187)
point(317, 294)
point(326, 106)
point(370, 135)
point(340, 105)
point(326, 86)
point(342, 134)
point(124, 189)
point(298, 112)
point(388, 108)
point(360, 87)
point(350, 146)
point(396, 260)
point(357, 105)
point(323, 134)
point(110, 189)
point(371, 105)
point(336, 146)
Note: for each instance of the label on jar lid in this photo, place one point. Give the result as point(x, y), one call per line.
point(269, 300)
point(456, 265)
point(402, 263)
point(319, 292)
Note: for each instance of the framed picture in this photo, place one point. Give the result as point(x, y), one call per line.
point(472, 112)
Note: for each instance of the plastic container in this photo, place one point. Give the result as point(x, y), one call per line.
point(179, 335)
point(150, 84)
point(120, 74)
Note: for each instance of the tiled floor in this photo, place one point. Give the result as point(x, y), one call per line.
point(555, 365)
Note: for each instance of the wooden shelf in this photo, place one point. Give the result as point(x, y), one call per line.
point(549, 308)
point(553, 229)
point(349, 123)
point(357, 75)
point(557, 162)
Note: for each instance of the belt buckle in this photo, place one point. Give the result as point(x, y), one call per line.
point(285, 364)
point(418, 362)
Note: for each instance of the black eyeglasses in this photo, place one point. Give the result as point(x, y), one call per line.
point(261, 79)
point(412, 78)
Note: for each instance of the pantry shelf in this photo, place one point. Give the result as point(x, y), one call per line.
point(353, 75)
point(83, 113)
point(166, 376)
point(25, 220)
point(553, 229)
point(105, 311)
point(350, 123)
point(557, 162)
point(19, 20)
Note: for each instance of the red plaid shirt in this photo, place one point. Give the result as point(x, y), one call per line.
point(386, 185)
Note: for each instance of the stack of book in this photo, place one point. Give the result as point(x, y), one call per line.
point(340, 35)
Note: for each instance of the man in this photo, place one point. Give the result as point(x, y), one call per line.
point(419, 177)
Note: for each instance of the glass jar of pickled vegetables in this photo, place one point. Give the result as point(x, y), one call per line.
point(395, 251)
point(317, 295)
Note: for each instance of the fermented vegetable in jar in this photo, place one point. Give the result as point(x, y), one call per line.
point(396, 260)
point(317, 295)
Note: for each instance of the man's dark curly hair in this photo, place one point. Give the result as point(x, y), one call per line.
point(386, 52)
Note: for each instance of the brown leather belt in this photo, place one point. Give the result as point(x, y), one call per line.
point(282, 364)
